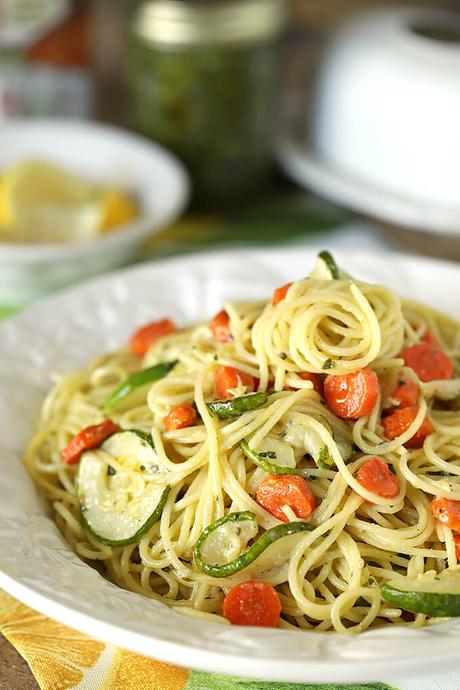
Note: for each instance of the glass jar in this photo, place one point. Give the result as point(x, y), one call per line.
point(202, 81)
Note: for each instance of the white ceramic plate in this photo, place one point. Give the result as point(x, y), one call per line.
point(306, 168)
point(38, 567)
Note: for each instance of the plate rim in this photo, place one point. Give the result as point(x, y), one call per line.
point(302, 165)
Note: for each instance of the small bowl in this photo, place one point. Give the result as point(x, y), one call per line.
point(384, 136)
point(104, 155)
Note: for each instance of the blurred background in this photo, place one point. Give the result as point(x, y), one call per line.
point(330, 123)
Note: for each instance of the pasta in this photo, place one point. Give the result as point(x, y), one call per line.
point(254, 461)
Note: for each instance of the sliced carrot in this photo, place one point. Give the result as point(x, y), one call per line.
point(279, 490)
point(352, 395)
point(280, 293)
point(457, 546)
point(405, 393)
point(220, 327)
point(228, 378)
point(429, 362)
point(253, 602)
point(429, 338)
point(400, 420)
point(374, 475)
point(145, 336)
point(447, 512)
point(180, 417)
point(87, 439)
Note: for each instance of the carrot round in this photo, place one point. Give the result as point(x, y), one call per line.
point(429, 362)
point(228, 379)
point(400, 420)
point(145, 336)
point(457, 546)
point(87, 439)
point(220, 327)
point(253, 602)
point(405, 393)
point(180, 417)
point(374, 475)
point(280, 293)
point(447, 512)
point(429, 338)
point(352, 395)
point(279, 490)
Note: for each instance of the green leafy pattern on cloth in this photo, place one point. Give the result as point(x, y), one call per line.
point(208, 681)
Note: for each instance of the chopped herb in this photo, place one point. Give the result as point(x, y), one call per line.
point(328, 364)
point(282, 355)
point(111, 470)
point(216, 357)
point(270, 454)
point(142, 468)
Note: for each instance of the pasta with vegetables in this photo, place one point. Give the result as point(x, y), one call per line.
point(291, 463)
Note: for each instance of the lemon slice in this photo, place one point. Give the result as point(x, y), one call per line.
point(44, 203)
point(117, 208)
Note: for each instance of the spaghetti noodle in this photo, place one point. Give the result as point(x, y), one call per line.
point(275, 424)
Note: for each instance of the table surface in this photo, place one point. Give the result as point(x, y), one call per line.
point(15, 673)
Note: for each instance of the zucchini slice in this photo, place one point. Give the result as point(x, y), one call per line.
point(326, 268)
point(118, 499)
point(305, 436)
point(257, 547)
point(431, 593)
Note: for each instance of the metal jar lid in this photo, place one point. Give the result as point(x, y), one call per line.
point(175, 23)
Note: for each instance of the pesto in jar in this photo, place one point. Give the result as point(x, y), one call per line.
point(211, 102)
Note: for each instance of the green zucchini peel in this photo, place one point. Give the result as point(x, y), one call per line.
point(139, 378)
point(258, 547)
point(226, 409)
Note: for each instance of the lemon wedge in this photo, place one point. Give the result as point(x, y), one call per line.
point(41, 202)
point(6, 212)
point(49, 204)
point(117, 208)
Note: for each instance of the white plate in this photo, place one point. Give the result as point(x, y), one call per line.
point(308, 170)
point(37, 566)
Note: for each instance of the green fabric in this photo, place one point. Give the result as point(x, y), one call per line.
point(7, 311)
point(207, 681)
point(286, 217)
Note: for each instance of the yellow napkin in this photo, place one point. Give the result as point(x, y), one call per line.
point(61, 658)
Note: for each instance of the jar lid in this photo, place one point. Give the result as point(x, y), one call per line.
point(175, 23)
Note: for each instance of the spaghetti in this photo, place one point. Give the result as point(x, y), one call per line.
point(252, 460)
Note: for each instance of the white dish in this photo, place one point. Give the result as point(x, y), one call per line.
point(384, 136)
point(38, 567)
point(305, 167)
point(388, 102)
point(105, 155)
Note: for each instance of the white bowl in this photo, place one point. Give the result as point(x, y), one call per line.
point(387, 110)
point(105, 155)
point(38, 567)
